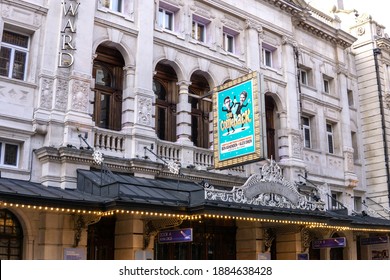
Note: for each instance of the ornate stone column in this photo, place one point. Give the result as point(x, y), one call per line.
point(128, 98)
point(253, 48)
point(183, 118)
point(351, 179)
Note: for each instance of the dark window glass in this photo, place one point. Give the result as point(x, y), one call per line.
point(10, 154)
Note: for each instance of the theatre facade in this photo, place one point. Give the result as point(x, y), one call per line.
point(182, 130)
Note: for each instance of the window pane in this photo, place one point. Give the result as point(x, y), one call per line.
point(194, 130)
point(330, 143)
point(159, 90)
point(228, 43)
point(307, 137)
point(19, 65)
point(116, 5)
point(5, 58)
point(160, 18)
point(10, 154)
point(326, 86)
point(268, 58)
point(200, 32)
point(194, 35)
point(161, 117)
point(168, 20)
point(304, 77)
point(305, 121)
point(15, 39)
point(104, 110)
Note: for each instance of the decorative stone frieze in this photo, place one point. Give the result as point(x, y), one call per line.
point(286, 40)
point(251, 24)
point(80, 96)
point(269, 188)
point(61, 95)
point(144, 110)
point(297, 146)
point(46, 99)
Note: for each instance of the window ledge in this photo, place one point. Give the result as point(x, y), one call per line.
point(119, 14)
point(272, 69)
point(18, 82)
point(308, 87)
point(167, 31)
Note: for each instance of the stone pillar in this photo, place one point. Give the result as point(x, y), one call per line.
point(143, 78)
point(253, 48)
point(288, 246)
point(183, 117)
point(249, 240)
point(345, 138)
point(56, 232)
point(290, 149)
point(282, 133)
point(128, 98)
point(128, 237)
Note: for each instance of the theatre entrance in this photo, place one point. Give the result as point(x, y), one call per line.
point(212, 240)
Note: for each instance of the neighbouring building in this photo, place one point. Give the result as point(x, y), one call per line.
point(107, 131)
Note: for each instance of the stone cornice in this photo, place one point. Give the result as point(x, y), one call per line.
point(288, 6)
point(325, 32)
point(383, 44)
point(28, 6)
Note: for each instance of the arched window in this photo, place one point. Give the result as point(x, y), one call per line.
point(270, 123)
point(108, 75)
point(200, 109)
point(11, 236)
point(166, 91)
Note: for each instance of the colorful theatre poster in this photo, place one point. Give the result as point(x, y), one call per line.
point(238, 122)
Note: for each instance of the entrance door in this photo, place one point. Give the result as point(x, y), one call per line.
point(11, 236)
point(212, 240)
point(100, 243)
point(336, 253)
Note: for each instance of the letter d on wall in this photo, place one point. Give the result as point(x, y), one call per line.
point(65, 60)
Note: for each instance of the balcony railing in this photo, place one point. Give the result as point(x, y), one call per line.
point(113, 143)
point(107, 140)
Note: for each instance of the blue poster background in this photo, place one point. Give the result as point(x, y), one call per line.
point(236, 121)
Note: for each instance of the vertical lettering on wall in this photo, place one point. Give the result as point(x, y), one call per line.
point(70, 11)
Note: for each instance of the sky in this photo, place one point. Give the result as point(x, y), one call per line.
point(378, 9)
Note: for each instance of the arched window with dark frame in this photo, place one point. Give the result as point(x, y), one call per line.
point(200, 109)
point(108, 75)
point(11, 236)
point(270, 123)
point(166, 93)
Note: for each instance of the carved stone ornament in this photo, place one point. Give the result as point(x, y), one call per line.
point(361, 30)
point(269, 237)
point(251, 24)
point(81, 222)
point(46, 93)
point(387, 100)
point(61, 98)
point(297, 146)
point(98, 157)
point(269, 188)
point(80, 96)
point(144, 110)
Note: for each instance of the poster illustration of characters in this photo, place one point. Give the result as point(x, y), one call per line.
point(236, 121)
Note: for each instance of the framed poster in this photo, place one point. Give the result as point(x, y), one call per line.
point(239, 122)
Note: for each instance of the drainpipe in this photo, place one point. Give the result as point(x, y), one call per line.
point(377, 52)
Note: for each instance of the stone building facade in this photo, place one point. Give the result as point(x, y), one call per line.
point(106, 131)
